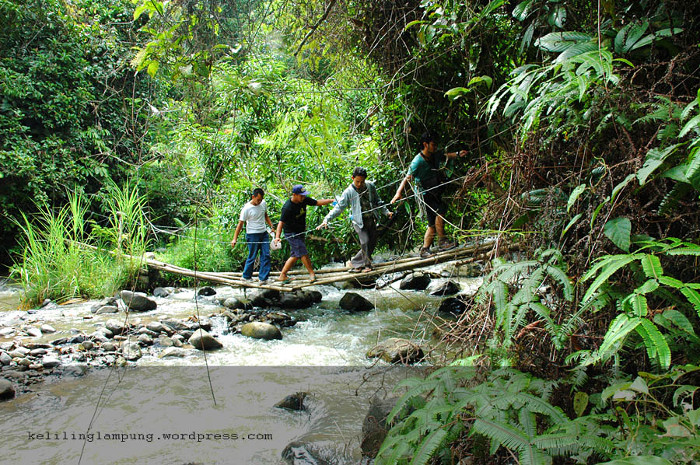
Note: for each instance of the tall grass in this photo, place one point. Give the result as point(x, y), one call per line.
point(54, 263)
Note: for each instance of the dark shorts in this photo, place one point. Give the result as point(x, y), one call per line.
point(434, 206)
point(296, 243)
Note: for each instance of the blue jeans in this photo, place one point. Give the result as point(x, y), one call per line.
point(257, 242)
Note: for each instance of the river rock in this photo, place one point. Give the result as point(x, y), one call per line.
point(145, 340)
point(47, 329)
point(108, 302)
point(147, 332)
point(7, 391)
point(173, 326)
point(156, 327)
point(20, 352)
point(260, 330)
point(106, 309)
point(165, 341)
point(38, 351)
point(232, 303)
point(452, 305)
point(131, 351)
point(7, 332)
point(109, 347)
point(202, 340)
point(293, 402)
point(50, 361)
point(206, 291)
point(415, 282)
point(448, 288)
point(5, 359)
point(87, 345)
point(33, 332)
point(137, 301)
point(374, 426)
point(265, 298)
point(163, 291)
point(298, 453)
point(280, 319)
point(115, 327)
point(173, 352)
point(354, 302)
point(299, 299)
point(397, 350)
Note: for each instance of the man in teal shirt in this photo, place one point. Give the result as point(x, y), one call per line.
point(425, 168)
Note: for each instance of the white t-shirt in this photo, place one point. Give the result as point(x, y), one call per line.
point(254, 216)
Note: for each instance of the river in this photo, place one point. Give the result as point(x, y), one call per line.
point(219, 409)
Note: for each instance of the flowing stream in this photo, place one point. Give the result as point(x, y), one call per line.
point(219, 409)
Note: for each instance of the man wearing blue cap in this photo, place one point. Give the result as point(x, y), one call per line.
point(293, 221)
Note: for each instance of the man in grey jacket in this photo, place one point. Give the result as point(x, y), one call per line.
point(364, 202)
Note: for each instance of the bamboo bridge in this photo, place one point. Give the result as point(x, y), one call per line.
point(462, 255)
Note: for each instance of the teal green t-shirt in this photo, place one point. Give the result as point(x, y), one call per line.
point(426, 171)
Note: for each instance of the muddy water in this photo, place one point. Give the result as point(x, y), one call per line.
point(220, 409)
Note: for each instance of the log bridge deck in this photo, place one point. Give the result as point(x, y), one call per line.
point(462, 254)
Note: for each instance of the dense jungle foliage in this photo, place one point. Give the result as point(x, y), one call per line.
point(145, 125)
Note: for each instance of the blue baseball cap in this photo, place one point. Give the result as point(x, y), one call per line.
point(299, 189)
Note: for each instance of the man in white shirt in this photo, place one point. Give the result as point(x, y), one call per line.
point(254, 215)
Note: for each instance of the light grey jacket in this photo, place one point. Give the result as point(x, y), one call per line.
point(351, 198)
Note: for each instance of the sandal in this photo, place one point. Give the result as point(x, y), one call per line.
point(285, 281)
point(313, 280)
point(354, 270)
point(367, 269)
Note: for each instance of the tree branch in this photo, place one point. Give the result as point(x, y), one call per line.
point(315, 26)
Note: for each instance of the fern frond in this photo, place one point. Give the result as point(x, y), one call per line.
point(428, 447)
point(502, 434)
point(652, 266)
point(610, 268)
point(560, 276)
point(655, 342)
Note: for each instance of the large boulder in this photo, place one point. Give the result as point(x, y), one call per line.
point(131, 351)
point(354, 302)
point(137, 301)
point(298, 453)
point(163, 291)
point(259, 330)
point(398, 351)
point(206, 291)
point(202, 340)
point(448, 288)
point(415, 282)
point(453, 306)
point(116, 327)
point(265, 298)
point(232, 303)
point(375, 426)
point(298, 299)
point(108, 302)
point(293, 402)
point(7, 391)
